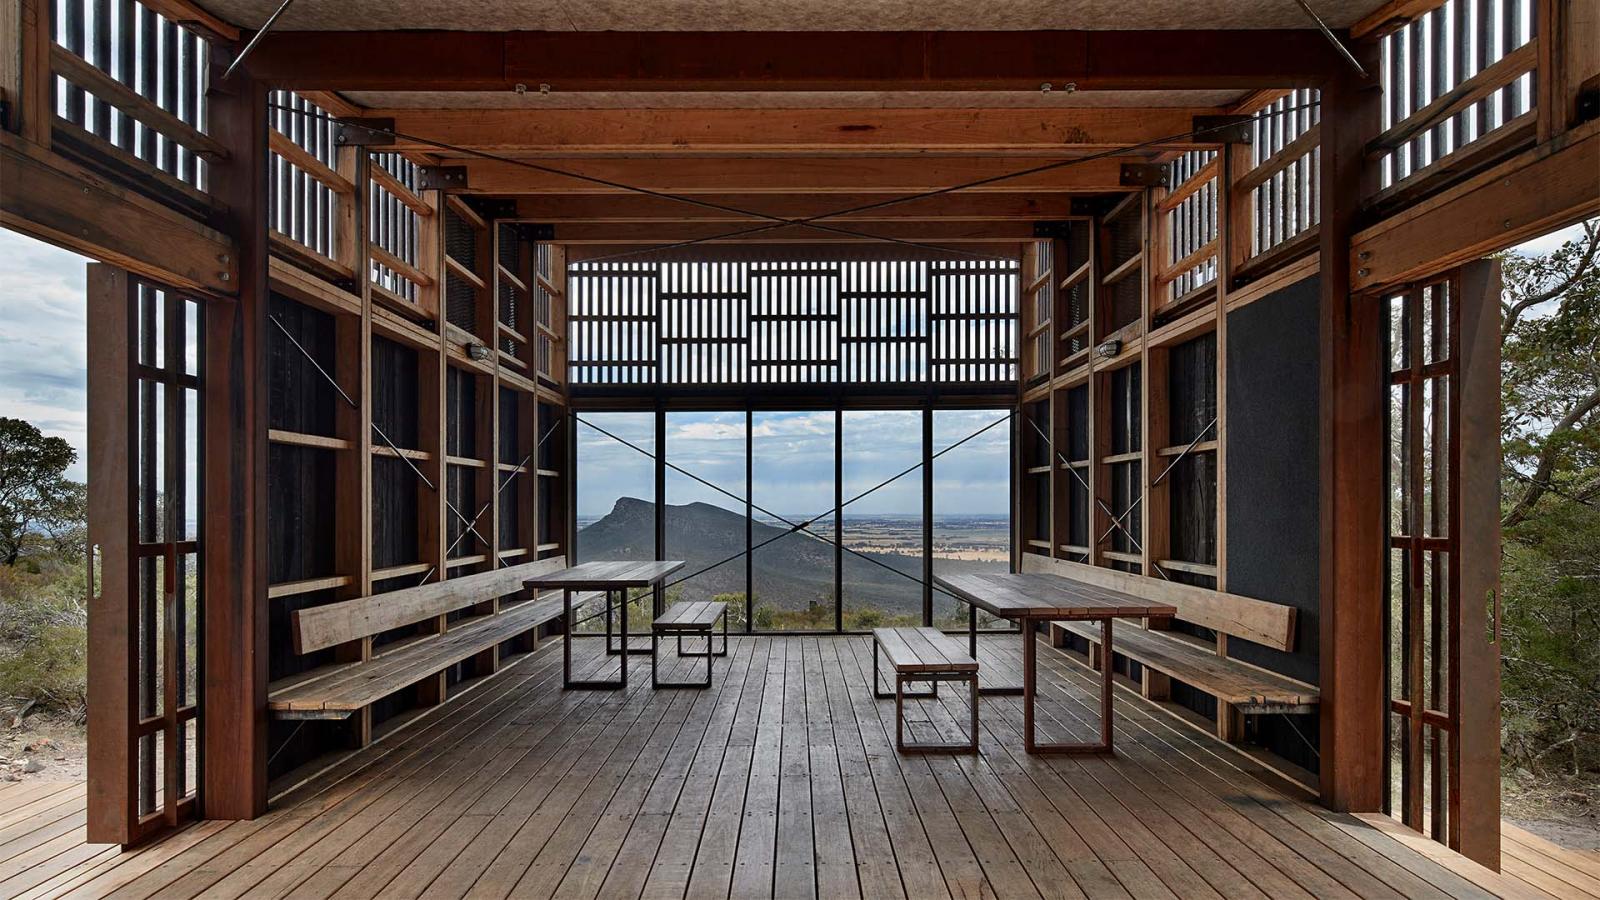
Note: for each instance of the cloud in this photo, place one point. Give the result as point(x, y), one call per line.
point(43, 357)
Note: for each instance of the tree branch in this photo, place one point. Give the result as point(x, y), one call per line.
point(1513, 312)
point(1539, 482)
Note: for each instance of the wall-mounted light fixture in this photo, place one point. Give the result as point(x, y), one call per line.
point(478, 352)
point(1108, 349)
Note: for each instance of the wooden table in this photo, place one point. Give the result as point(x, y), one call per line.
point(609, 575)
point(1029, 599)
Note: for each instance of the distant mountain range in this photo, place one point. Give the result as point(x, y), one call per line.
point(792, 572)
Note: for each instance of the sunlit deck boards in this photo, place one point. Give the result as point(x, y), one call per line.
point(783, 775)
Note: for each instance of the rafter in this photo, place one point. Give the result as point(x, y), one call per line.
point(792, 61)
point(689, 132)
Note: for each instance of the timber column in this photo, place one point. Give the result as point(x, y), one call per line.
point(1354, 388)
point(233, 715)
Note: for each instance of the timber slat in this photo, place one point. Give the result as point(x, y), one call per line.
point(782, 781)
point(1250, 688)
point(923, 650)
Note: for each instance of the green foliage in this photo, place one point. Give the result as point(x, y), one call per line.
point(43, 646)
point(1550, 575)
point(40, 508)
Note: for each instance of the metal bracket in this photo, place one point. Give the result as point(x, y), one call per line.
point(448, 179)
point(1145, 175)
point(494, 209)
point(1089, 207)
point(1224, 129)
point(364, 133)
point(541, 231)
point(1588, 104)
point(1057, 230)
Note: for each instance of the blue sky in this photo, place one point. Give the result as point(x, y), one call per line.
point(43, 360)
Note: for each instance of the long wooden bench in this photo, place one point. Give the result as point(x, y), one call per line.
point(346, 689)
point(924, 654)
point(1240, 688)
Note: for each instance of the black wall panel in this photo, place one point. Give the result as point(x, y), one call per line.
point(1273, 481)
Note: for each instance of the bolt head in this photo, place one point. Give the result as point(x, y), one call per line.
point(1363, 272)
point(224, 276)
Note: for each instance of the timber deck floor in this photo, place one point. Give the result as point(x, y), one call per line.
point(779, 780)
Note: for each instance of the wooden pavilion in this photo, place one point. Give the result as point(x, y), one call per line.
point(1222, 266)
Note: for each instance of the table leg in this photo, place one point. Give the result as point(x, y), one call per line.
point(591, 684)
point(1030, 682)
point(972, 651)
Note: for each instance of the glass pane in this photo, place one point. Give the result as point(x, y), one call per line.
point(971, 502)
point(794, 571)
point(616, 515)
point(705, 527)
point(882, 586)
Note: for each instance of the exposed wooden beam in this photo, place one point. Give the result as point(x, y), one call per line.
point(659, 233)
point(944, 207)
point(57, 201)
point(792, 61)
point(234, 440)
point(190, 16)
point(1547, 187)
point(699, 175)
point(1353, 387)
point(696, 132)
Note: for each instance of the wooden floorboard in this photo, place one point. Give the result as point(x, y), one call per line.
point(780, 780)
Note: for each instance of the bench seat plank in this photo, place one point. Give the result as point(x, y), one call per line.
point(923, 650)
point(359, 684)
point(1250, 688)
point(692, 615)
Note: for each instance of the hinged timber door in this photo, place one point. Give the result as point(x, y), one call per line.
point(1444, 559)
point(144, 578)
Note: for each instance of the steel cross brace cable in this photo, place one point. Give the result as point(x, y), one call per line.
point(463, 535)
point(1115, 521)
point(379, 431)
point(794, 527)
point(1170, 466)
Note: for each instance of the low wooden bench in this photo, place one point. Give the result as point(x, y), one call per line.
point(692, 617)
point(924, 654)
point(1240, 689)
point(346, 689)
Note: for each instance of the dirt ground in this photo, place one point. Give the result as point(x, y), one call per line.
point(47, 748)
point(1563, 809)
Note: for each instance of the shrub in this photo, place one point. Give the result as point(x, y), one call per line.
point(44, 636)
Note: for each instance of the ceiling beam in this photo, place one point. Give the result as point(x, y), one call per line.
point(638, 208)
point(697, 132)
point(792, 61)
point(765, 175)
point(641, 234)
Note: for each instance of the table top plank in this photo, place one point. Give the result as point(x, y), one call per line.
point(1042, 596)
point(608, 575)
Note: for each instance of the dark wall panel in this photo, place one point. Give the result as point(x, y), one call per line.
point(1274, 528)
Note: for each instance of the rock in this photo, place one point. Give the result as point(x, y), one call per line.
point(31, 766)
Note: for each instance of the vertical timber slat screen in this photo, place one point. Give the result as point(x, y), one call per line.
point(1457, 76)
point(128, 79)
point(1188, 227)
point(305, 190)
point(778, 320)
point(1283, 184)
